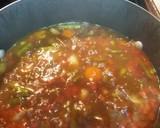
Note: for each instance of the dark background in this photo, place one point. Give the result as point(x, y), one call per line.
point(140, 2)
point(5, 2)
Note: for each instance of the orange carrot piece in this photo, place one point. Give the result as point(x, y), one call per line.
point(68, 33)
point(93, 73)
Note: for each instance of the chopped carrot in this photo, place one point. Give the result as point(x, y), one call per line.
point(68, 33)
point(93, 73)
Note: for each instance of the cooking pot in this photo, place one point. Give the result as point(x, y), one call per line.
point(25, 16)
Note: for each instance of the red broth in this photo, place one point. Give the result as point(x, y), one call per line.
point(77, 75)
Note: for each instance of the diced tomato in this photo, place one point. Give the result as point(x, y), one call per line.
point(136, 52)
point(9, 113)
point(60, 99)
point(154, 90)
point(34, 125)
point(149, 91)
point(111, 65)
point(143, 94)
point(102, 42)
point(8, 116)
point(135, 69)
point(134, 125)
point(148, 109)
point(140, 124)
point(15, 125)
point(71, 91)
point(110, 62)
point(93, 87)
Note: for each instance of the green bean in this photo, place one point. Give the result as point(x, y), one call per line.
point(116, 51)
point(54, 31)
point(148, 72)
point(52, 49)
point(97, 59)
point(22, 48)
point(56, 45)
point(69, 26)
point(21, 91)
point(3, 67)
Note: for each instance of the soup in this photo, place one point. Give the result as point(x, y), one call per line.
point(77, 75)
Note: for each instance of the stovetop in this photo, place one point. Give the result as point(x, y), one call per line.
point(5, 2)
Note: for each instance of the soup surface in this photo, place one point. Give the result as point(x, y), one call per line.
point(77, 75)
